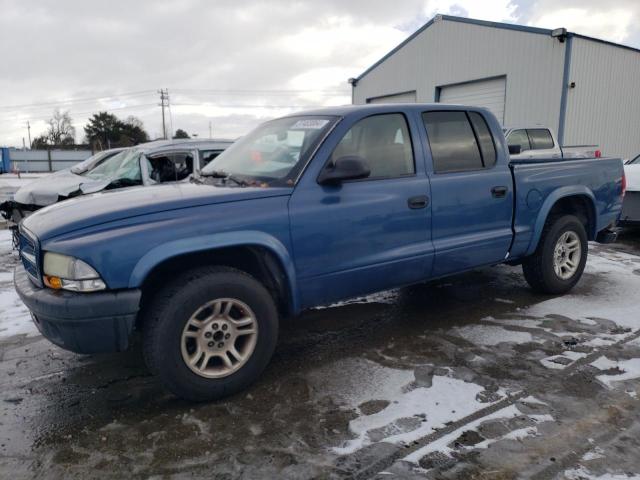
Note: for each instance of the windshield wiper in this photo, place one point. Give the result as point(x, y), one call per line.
point(226, 177)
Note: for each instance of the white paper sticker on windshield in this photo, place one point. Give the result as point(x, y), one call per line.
point(309, 124)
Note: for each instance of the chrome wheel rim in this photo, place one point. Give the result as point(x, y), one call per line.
point(566, 255)
point(219, 338)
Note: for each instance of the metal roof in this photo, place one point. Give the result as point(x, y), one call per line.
point(345, 110)
point(176, 144)
point(485, 23)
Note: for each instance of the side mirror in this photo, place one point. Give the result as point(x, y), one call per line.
point(349, 167)
point(515, 149)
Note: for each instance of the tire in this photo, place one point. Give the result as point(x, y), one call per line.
point(539, 270)
point(167, 342)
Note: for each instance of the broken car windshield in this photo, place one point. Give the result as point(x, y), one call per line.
point(124, 165)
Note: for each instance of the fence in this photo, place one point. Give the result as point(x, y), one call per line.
point(43, 160)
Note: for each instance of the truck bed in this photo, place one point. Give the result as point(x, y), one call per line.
point(539, 183)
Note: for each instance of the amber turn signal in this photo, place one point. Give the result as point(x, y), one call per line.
point(53, 282)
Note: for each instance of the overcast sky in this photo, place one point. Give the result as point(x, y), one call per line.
point(228, 62)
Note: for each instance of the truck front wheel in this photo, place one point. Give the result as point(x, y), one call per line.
point(210, 333)
point(560, 258)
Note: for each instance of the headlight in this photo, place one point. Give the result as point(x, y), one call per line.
point(69, 273)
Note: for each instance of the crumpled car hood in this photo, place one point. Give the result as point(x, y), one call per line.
point(48, 190)
point(632, 172)
point(113, 205)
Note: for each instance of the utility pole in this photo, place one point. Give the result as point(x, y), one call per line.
point(210, 130)
point(164, 102)
point(29, 133)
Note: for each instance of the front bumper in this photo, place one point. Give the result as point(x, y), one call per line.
point(94, 322)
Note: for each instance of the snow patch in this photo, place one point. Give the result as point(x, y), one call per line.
point(615, 298)
point(411, 412)
point(490, 335)
point(630, 369)
point(581, 473)
point(503, 300)
point(14, 316)
point(593, 454)
point(353, 381)
point(441, 445)
point(562, 361)
point(388, 297)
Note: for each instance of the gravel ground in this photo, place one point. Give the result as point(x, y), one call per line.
point(474, 376)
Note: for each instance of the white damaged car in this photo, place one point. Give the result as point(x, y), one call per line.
point(631, 206)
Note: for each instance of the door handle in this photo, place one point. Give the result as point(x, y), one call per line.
point(421, 201)
point(499, 192)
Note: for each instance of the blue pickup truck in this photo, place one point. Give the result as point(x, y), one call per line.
point(305, 210)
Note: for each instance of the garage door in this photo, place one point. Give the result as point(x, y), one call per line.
point(482, 93)
point(404, 97)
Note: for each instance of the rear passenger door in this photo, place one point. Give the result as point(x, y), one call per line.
point(471, 188)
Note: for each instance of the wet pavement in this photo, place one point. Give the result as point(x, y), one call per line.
point(474, 376)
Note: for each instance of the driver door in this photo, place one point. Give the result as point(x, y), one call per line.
point(367, 235)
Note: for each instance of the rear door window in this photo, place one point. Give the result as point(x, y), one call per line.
point(540, 138)
point(519, 137)
point(485, 139)
point(452, 141)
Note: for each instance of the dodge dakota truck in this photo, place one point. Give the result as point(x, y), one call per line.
point(303, 211)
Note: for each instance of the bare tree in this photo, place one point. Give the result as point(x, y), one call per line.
point(61, 131)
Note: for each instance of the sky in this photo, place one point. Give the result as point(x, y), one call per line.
point(228, 64)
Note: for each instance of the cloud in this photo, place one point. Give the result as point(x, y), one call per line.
point(230, 63)
point(611, 24)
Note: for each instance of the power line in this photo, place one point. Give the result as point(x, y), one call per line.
point(126, 107)
point(77, 100)
point(243, 105)
point(329, 93)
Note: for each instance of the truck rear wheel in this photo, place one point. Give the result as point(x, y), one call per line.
point(210, 333)
point(558, 262)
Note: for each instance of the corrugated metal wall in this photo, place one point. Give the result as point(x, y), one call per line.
point(604, 106)
point(39, 160)
point(451, 52)
point(490, 94)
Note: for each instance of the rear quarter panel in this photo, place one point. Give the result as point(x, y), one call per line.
point(540, 184)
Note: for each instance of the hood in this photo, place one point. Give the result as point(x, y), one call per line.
point(48, 190)
point(632, 172)
point(113, 205)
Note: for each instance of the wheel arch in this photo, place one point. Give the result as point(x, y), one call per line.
point(257, 253)
point(577, 200)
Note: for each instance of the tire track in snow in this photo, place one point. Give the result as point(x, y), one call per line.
point(381, 464)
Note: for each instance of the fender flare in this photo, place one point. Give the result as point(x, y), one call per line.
point(203, 243)
point(562, 192)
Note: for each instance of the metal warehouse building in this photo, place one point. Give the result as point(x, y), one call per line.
point(587, 89)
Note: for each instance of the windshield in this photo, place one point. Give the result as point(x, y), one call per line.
point(92, 161)
point(274, 153)
point(124, 165)
point(635, 161)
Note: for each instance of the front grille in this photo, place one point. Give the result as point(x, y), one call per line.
point(30, 255)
